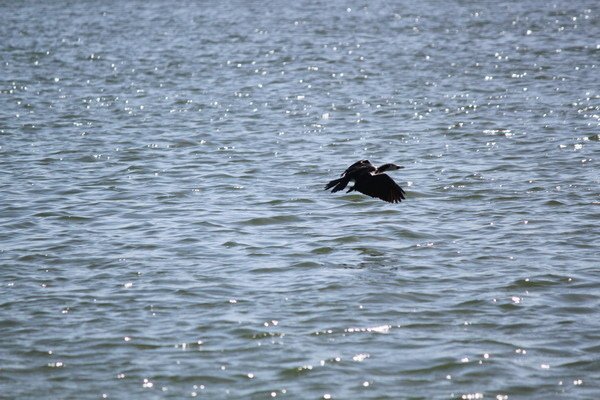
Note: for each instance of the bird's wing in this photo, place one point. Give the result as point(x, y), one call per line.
point(380, 186)
point(357, 165)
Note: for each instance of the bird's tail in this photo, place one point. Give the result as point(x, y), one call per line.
point(337, 184)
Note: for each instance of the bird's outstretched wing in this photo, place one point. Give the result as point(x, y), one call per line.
point(359, 165)
point(380, 186)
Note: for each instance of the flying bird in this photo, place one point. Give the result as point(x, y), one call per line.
point(369, 180)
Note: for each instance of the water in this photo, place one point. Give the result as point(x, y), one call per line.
point(165, 233)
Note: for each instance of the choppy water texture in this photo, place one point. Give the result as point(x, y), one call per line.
point(165, 233)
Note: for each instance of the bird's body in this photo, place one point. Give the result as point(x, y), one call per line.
point(369, 180)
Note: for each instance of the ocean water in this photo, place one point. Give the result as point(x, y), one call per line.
point(164, 232)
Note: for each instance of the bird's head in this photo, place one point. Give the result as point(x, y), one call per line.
point(388, 167)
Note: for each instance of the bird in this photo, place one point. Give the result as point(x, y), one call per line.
point(369, 180)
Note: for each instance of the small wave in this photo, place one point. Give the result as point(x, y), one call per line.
point(276, 220)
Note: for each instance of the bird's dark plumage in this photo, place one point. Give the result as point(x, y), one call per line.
point(369, 180)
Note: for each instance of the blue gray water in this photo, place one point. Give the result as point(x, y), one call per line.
point(165, 232)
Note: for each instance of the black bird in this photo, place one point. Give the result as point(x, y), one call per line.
point(369, 180)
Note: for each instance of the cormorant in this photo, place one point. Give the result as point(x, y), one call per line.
point(369, 180)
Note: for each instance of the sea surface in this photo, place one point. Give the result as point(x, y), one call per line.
point(164, 232)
